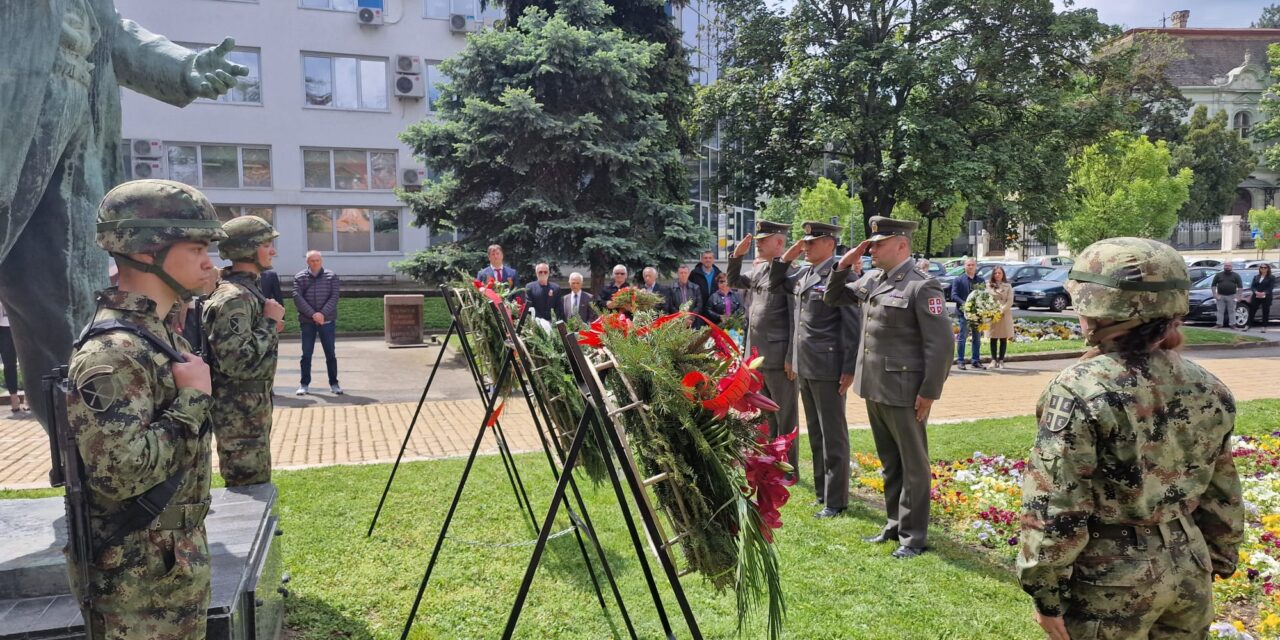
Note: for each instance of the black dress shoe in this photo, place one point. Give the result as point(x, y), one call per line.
point(817, 503)
point(879, 538)
point(979, 365)
point(905, 552)
point(828, 513)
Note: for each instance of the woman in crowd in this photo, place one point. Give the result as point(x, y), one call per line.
point(1262, 286)
point(1001, 330)
point(724, 302)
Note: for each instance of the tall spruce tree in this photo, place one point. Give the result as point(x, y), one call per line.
point(550, 142)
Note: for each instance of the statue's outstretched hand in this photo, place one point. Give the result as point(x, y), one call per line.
point(211, 74)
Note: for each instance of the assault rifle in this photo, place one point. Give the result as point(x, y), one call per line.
point(68, 472)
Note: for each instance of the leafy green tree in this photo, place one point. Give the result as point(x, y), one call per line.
point(1219, 158)
point(1148, 98)
point(916, 99)
point(827, 200)
point(1268, 130)
point(1270, 18)
point(441, 265)
point(946, 226)
point(782, 209)
point(1267, 223)
point(550, 143)
point(1122, 187)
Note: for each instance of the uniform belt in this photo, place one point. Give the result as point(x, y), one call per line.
point(181, 516)
point(1136, 532)
point(243, 386)
point(72, 65)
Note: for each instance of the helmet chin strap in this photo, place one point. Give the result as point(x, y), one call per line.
point(156, 269)
point(1099, 335)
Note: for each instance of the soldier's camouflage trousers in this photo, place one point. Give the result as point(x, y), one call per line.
point(154, 585)
point(242, 426)
point(1141, 582)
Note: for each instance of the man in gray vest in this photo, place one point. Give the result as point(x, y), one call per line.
point(823, 353)
point(769, 328)
point(905, 357)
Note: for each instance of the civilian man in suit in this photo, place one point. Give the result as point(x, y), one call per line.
point(769, 327)
point(619, 282)
point(683, 291)
point(576, 303)
point(496, 270)
point(823, 353)
point(905, 358)
point(651, 284)
point(542, 294)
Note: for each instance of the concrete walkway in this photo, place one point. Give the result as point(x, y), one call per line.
point(368, 424)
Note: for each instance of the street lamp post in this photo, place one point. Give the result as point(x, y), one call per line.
point(930, 214)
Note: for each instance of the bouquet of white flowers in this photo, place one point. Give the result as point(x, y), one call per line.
point(981, 309)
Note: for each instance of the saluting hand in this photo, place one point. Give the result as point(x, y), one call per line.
point(794, 252)
point(743, 246)
point(855, 257)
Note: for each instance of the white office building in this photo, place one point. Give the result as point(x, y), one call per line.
point(309, 139)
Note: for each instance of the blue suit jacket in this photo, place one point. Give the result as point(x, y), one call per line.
point(508, 275)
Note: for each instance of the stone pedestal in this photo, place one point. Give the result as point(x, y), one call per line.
point(402, 319)
point(248, 581)
point(1230, 233)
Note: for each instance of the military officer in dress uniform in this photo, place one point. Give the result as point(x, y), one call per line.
point(824, 349)
point(769, 328)
point(905, 356)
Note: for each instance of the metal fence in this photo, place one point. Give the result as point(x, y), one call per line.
point(1197, 236)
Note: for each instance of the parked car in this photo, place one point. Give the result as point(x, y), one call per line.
point(936, 270)
point(1017, 272)
point(1050, 292)
point(1203, 262)
point(1205, 309)
point(1051, 261)
point(1198, 273)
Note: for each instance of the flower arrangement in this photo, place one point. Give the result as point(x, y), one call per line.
point(981, 309)
point(488, 343)
point(1043, 330)
point(978, 500)
point(630, 300)
point(703, 426)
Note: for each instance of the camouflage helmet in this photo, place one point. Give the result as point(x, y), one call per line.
point(244, 235)
point(1129, 279)
point(148, 216)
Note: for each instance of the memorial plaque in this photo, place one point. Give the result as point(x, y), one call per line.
point(402, 319)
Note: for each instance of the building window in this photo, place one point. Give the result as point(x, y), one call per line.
point(349, 169)
point(344, 82)
point(442, 9)
point(209, 166)
point(435, 77)
point(332, 5)
point(227, 213)
point(1243, 123)
point(351, 230)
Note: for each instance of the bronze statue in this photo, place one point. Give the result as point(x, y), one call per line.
point(61, 65)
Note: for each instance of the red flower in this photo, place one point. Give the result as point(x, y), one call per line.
point(594, 335)
point(766, 471)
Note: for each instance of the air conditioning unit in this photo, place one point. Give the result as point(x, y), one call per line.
point(143, 148)
point(411, 179)
point(409, 85)
point(459, 23)
point(408, 64)
point(144, 168)
point(369, 12)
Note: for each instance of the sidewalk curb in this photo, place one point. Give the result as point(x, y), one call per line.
point(1076, 353)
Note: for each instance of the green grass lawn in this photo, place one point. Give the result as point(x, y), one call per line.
point(349, 586)
point(365, 314)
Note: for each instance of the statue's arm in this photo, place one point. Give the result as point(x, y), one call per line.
point(151, 64)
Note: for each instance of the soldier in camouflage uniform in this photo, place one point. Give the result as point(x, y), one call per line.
point(240, 327)
point(1131, 502)
point(138, 417)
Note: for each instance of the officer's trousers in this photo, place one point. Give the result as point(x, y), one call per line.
point(903, 447)
point(782, 391)
point(828, 440)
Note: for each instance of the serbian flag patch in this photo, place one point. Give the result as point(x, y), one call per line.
point(936, 307)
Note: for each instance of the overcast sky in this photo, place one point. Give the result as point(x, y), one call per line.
point(1147, 13)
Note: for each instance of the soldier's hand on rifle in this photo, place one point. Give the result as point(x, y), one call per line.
point(794, 252)
point(279, 326)
point(743, 246)
point(273, 310)
point(192, 374)
point(855, 257)
point(211, 74)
